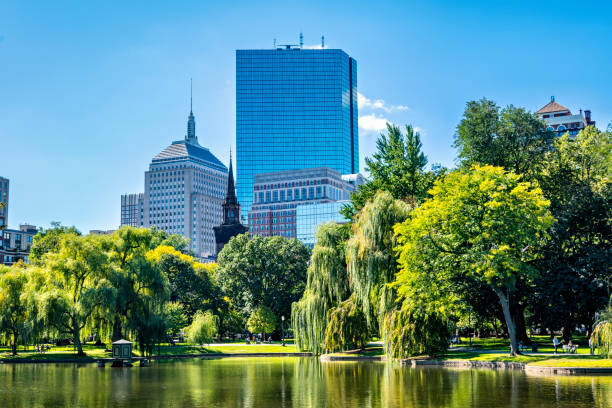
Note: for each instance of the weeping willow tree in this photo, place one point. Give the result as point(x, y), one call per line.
point(602, 332)
point(327, 286)
point(370, 257)
point(346, 327)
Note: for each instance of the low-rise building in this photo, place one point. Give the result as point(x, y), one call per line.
point(277, 195)
point(15, 244)
point(561, 120)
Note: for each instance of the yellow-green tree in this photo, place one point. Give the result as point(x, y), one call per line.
point(13, 311)
point(485, 223)
point(370, 257)
point(77, 285)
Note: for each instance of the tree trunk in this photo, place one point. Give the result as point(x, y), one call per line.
point(14, 345)
point(505, 304)
point(519, 321)
point(77, 341)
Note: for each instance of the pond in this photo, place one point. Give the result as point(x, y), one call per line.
point(291, 382)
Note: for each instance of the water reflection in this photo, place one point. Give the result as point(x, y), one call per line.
point(291, 382)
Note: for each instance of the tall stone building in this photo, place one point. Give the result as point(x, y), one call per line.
point(183, 194)
point(231, 225)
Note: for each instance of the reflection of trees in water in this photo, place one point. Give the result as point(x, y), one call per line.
point(292, 382)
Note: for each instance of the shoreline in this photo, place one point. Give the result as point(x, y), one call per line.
point(89, 360)
point(412, 362)
point(467, 364)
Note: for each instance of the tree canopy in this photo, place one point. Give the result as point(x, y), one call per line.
point(485, 223)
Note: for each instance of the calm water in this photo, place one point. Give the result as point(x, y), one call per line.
point(291, 382)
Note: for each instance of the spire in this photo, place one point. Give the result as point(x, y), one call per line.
point(230, 196)
point(191, 135)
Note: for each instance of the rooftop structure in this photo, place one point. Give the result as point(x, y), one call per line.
point(561, 120)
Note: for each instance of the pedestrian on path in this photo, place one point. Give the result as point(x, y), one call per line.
point(555, 343)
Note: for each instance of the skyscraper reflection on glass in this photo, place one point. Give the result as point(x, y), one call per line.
point(295, 109)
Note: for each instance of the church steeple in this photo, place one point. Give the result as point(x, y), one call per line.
point(230, 196)
point(231, 225)
point(191, 135)
point(231, 208)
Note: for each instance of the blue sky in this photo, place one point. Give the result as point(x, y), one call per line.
point(90, 93)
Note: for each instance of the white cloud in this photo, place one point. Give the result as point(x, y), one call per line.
point(312, 47)
point(377, 104)
point(373, 123)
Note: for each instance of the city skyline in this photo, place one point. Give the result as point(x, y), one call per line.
point(103, 95)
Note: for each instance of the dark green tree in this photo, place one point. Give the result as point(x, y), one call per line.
point(512, 138)
point(263, 271)
point(48, 240)
point(397, 166)
point(574, 280)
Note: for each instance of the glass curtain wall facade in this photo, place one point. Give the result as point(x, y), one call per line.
point(295, 109)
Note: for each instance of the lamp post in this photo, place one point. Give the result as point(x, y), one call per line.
point(283, 330)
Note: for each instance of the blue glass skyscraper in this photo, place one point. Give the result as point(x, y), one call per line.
point(295, 109)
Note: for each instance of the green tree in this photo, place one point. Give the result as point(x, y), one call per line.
point(262, 320)
point(370, 257)
point(13, 309)
point(575, 268)
point(263, 271)
point(46, 241)
point(176, 319)
point(327, 286)
point(397, 166)
point(76, 285)
point(203, 328)
point(346, 328)
point(485, 223)
point(133, 275)
point(512, 137)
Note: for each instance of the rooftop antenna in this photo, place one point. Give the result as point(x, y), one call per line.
point(301, 40)
point(322, 41)
point(274, 46)
point(191, 95)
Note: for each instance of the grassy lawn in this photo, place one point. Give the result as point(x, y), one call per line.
point(92, 352)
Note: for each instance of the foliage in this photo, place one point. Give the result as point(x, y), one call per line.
point(76, 285)
point(397, 166)
point(412, 331)
point(13, 310)
point(203, 328)
point(46, 241)
point(575, 268)
point(261, 320)
point(512, 137)
point(371, 261)
point(484, 223)
point(193, 290)
point(262, 271)
point(327, 285)
point(602, 332)
point(346, 327)
point(176, 319)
